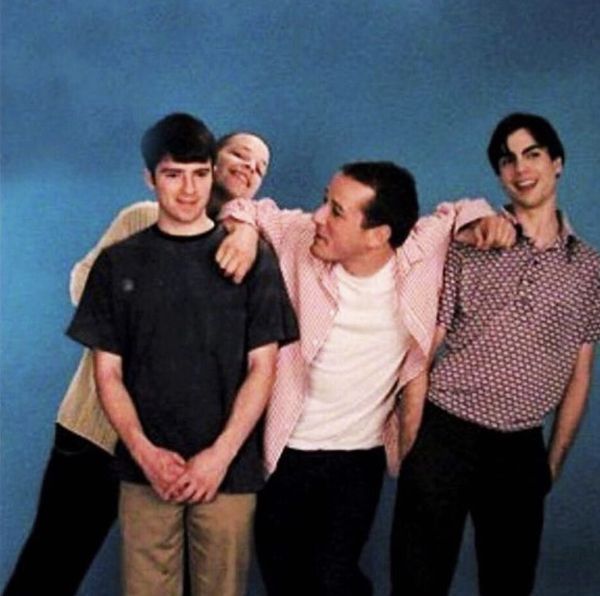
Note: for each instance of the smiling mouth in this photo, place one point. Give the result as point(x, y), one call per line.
point(525, 184)
point(242, 177)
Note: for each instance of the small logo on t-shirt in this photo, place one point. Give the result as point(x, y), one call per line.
point(127, 285)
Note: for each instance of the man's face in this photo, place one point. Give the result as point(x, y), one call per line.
point(182, 191)
point(241, 165)
point(339, 235)
point(528, 173)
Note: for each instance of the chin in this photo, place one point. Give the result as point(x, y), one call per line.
point(320, 253)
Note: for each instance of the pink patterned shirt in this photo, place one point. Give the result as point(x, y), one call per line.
point(313, 290)
point(516, 319)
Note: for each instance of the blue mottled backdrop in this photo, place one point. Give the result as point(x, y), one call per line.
point(417, 81)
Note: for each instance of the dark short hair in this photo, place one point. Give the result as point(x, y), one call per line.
point(222, 141)
point(182, 137)
point(539, 128)
point(395, 203)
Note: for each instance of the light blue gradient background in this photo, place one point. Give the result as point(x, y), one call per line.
point(420, 82)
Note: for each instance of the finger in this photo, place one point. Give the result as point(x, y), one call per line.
point(240, 273)
point(184, 494)
point(198, 496)
point(176, 458)
point(225, 259)
point(211, 495)
point(478, 236)
point(219, 254)
point(177, 487)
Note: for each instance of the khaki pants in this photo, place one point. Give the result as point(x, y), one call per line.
point(152, 531)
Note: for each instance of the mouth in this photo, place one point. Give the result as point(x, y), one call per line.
point(186, 204)
point(319, 238)
point(525, 185)
point(242, 177)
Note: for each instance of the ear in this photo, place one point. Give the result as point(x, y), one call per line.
point(558, 166)
point(379, 235)
point(149, 179)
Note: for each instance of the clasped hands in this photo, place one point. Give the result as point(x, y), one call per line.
point(196, 480)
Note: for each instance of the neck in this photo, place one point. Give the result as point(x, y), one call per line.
point(218, 197)
point(369, 263)
point(175, 228)
point(541, 224)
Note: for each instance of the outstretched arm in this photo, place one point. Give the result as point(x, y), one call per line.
point(569, 414)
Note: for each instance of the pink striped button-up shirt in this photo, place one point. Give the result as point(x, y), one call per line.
point(313, 290)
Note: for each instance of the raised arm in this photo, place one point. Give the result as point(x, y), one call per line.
point(130, 220)
point(160, 466)
point(571, 409)
point(245, 219)
point(206, 470)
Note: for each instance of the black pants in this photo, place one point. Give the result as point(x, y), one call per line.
point(77, 506)
point(458, 468)
point(313, 519)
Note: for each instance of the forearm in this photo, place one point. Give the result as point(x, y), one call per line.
point(250, 403)
point(265, 215)
point(411, 406)
point(570, 411)
point(410, 413)
point(468, 211)
point(117, 403)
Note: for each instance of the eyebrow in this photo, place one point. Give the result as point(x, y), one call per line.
point(528, 149)
point(532, 148)
point(177, 169)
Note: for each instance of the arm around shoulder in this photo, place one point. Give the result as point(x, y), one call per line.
point(272, 222)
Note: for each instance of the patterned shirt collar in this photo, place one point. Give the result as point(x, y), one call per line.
point(567, 237)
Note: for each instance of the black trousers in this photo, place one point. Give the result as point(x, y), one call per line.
point(458, 468)
point(313, 519)
point(77, 506)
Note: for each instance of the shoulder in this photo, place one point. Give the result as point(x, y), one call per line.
point(140, 209)
point(586, 256)
point(265, 257)
point(131, 244)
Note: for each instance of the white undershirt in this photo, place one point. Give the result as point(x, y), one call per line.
point(353, 374)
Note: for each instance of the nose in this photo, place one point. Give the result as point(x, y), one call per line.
point(250, 163)
point(520, 165)
point(188, 184)
point(320, 215)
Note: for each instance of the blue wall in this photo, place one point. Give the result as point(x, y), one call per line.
point(417, 81)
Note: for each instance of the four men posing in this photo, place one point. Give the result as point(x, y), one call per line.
point(184, 361)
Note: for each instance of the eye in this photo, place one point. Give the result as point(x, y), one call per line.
point(534, 153)
point(506, 160)
point(335, 210)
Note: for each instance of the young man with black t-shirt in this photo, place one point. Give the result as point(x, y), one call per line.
point(184, 363)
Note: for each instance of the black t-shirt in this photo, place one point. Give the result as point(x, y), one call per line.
point(183, 332)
